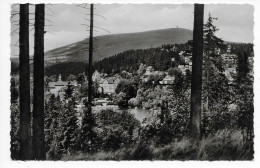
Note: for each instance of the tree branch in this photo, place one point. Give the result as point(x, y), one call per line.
point(100, 16)
point(14, 31)
point(48, 20)
point(15, 21)
point(50, 9)
point(51, 32)
point(13, 14)
point(102, 29)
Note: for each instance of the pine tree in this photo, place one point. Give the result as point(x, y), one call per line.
point(245, 96)
point(196, 81)
point(90, 67)
point(69, 91)
point(89, 138)
point(38, 89)
point(216, 89)
point(242, 67)
point(211, 41)
point(211, 59)
point(24, 89)
point(70, 128)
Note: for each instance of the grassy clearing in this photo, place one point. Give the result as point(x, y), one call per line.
point(224, 145)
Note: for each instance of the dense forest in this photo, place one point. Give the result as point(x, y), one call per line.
point(66, 68)
point(130, 60)
point(159, 58)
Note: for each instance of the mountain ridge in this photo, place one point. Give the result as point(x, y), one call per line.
point(112, 44)
point(109, 45)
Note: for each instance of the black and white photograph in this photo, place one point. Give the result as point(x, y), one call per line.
point(91, 81)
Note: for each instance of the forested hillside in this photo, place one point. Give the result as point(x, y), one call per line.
point(130, 60)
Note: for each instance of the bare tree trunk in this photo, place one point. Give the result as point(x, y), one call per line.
point(90, 87)
point(24, 69)
point(196, 80)
point(38, 90)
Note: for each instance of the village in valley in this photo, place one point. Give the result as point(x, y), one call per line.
point(162, 94)
point(105, 85)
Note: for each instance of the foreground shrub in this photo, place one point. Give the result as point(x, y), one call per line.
point(164, 127)
point(116, 128)
point(184, 149)
point(224, 145)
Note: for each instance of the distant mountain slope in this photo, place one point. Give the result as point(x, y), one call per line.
point(109, 45)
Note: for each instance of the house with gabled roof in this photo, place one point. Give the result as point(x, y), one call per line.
point(149, 71)
point(56, 87)
point(108, 85)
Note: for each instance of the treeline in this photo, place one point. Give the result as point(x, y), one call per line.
point(130, 60)
point(242, 47)
point(66, 68)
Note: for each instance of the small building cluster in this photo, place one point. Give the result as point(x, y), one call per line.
point(168, 80)
point(58, 88)
point(107, 85)
point(149, 72)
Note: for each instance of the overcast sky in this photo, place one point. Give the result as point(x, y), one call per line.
point(235, 22)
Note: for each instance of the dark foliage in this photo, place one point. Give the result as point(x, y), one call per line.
point(130, 60)
point(52, 128)
point(125, 91)
point(66, 69)
point(70, 128)
point(118, 128)
point(69, 91)
point(245, 98)
point(90, 142)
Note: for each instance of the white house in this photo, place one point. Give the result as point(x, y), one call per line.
point(108, 85)
point(168, 80)
point(56, 87)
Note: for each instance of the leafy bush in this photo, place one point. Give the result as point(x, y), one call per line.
point(164, 131)
point(216, 121)
point(185, 149)
point(117, 128)
point(224, 145)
